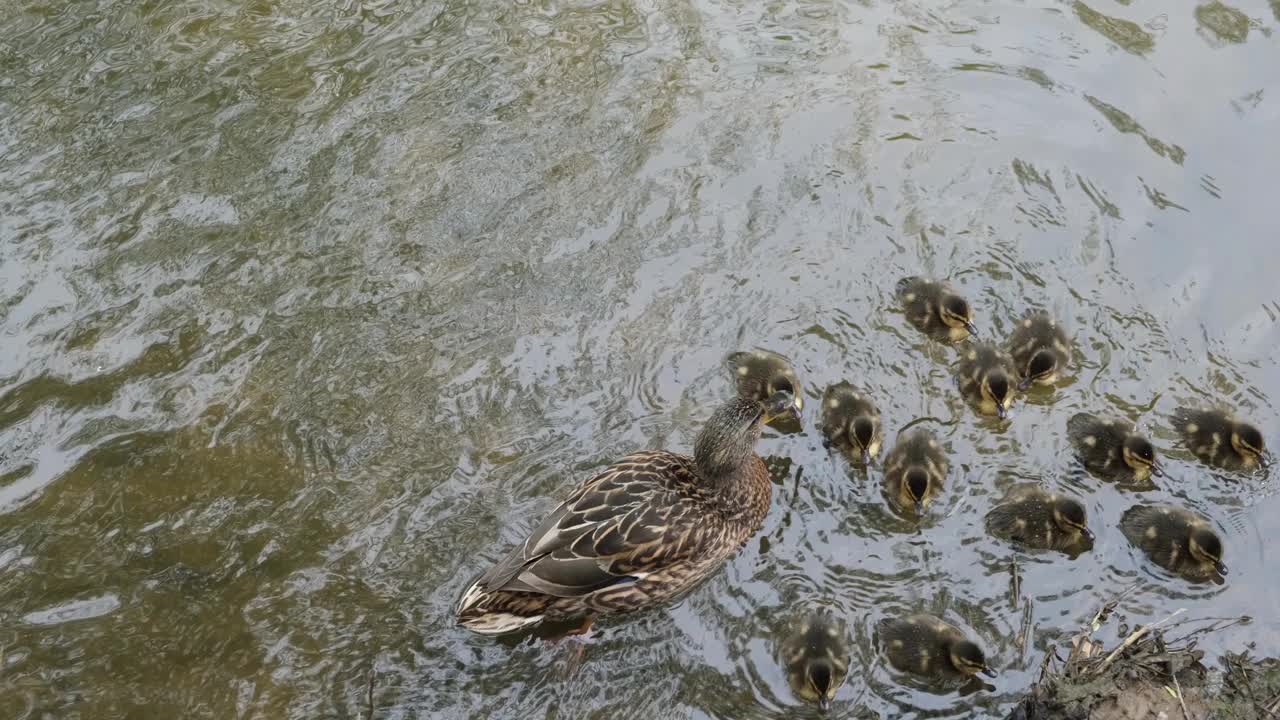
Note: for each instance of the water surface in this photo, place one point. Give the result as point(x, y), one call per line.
point(310, 309)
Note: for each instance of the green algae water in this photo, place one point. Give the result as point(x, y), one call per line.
point(310, 309)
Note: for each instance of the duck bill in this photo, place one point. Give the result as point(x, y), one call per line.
point(1157, 470)
point(824, 704)
point(1087, 533)
point(1265, 461)
point(1220, 567)
point(989, 672)
point(1002, 412)
point(1024, 384)
point(797, 408)
point(866, 456)
point(973, 329)
point(919, 507)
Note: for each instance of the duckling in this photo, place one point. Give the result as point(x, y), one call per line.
point(1040, 349)
point(1204, 430)
point(851, 423)
point(758, 374)
point(985, 377)
point(1177, 540)
point(914, 471)
point(1112, 448)
point(925, 645)
point(815, 654)
point(1039, 519)
point(935, 309)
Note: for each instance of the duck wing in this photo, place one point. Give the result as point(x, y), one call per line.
point(641, 514)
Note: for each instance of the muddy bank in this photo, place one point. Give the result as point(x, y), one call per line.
point(1154, 671)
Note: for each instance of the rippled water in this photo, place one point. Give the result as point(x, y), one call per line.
point(310, 308)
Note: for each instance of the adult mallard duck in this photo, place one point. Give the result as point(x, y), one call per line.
point(926, 645)
point(1036, 518)
point(643, 531)
point(1112, 448)
point(985, 379)
point(935, 309)
point(1177, 540)
point(851, 423)
point(1040, 349)
point(815, 654)
point(1221, 439)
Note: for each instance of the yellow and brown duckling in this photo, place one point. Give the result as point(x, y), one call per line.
point(926, 645)
point(640, 532)
point(759, 374)
point(1036, 518)
point(1221, 439)
point(1112, 448)
point(914, 471)
point(1177, 540)
point(1040, 349)
point(815, 655)
point(851, 423)
point(986, 379)
point(935, 309)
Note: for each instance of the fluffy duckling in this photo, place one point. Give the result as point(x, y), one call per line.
point(925, 645)
point(758, 374)
point(1040, 349)
point(1112, 448)
point(985, 378)
point(1037, 518)
point(851, 423)
point(1221, 439)
point(914, 471)
point(1177, 540)
point(815, 654)
point(935, 309)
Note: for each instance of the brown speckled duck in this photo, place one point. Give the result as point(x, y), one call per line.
point(1221, 439)
point(914, 471)
point(642, 531)
point(985, 377)
point(1112, 448)
point(1040, 349)
point(851, 423)
point(815, 655)
point(1177, 540)
point(935, 309)
point(926, 645)
point(1036, 518)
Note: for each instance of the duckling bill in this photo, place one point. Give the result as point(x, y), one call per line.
point(1112, 448)
point(1040, 349)
point(926, 645)
point(914, 471)
point(1221, 439)
point(761, 374)
point(1177, 540)
point(815, 655)
point(643, 531)
point(1036, 518)
point(851, 423)
point(935, 309)
point(985, 378)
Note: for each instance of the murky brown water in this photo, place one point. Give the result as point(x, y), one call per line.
point(309, 308)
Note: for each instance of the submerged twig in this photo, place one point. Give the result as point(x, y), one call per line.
point(1182, 703)
point(1015, 583)
point(1134, 637)
point(369, 694)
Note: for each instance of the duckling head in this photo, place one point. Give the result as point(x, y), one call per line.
point(967, 658)
point(956, 312)
point(1206, 546)
point(1140, 455)
point(997, 389)
point(916, 483)
point(1247, 440)
point(822, 680)
point(1042, 368)
point(1070, 516)
point(862, 431)
point(760, 375)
